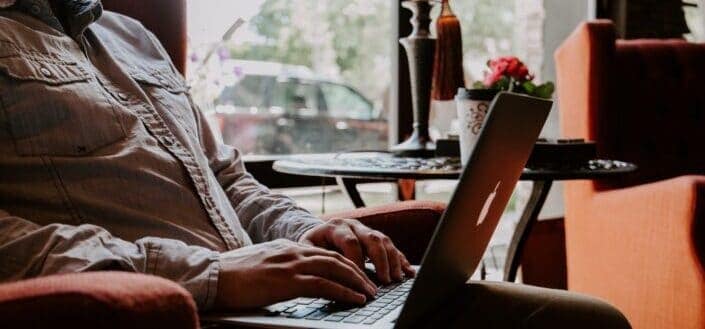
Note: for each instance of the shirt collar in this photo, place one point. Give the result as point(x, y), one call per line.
point(76, 15)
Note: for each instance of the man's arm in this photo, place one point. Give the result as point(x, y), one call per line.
point(266, 216)
point(28, 250)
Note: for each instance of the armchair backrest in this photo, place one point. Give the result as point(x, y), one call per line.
point(165, 18)
point(642, 101)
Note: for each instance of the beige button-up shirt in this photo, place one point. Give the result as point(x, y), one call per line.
point(105, 162)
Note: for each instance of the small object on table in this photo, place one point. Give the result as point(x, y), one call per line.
point(448, 148)
point(448, 73)
point(420, 49)
point(472, 106)
point(548, 153)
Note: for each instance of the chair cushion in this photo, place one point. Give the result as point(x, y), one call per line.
point(96, 300)
point(656, 114)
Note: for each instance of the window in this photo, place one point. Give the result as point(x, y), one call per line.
point(249, 92)
point(295, 97)
point(695, 16)
point(295, 77)
point(345, 103)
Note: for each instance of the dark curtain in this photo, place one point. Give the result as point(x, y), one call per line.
point(645, 19)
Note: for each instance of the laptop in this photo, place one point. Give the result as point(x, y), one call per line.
point(512, 127)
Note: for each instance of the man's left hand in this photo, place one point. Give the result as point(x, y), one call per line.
point(356, 242)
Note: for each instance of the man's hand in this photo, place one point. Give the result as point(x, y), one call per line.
point(357, 241)
point(272, 272)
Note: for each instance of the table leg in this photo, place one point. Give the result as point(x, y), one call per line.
point(350, 189)
point(407, 189)
point(539, 192)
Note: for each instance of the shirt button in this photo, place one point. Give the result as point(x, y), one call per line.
point(45, 71)
point(35, 9)
point(169, 141)
point(123, 97)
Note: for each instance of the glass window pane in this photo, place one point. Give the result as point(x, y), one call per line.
point(695, 16)
point(296, 97)
point(344, 102)
point(246, 93)
point(294, 78)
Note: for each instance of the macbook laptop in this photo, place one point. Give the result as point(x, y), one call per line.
point(513, 124)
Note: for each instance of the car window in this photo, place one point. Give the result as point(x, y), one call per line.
point(343, 102)
point(295, 97)
point(248, 92)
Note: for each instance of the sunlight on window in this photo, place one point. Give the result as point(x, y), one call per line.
point(269, 87)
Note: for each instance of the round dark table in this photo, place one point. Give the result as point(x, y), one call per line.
point(351, 168)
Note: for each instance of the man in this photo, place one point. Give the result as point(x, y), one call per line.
point(105, 164)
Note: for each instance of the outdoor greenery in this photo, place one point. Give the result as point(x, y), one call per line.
point(350, 40)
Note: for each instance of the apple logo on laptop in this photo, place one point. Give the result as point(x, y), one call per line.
point(488, 204)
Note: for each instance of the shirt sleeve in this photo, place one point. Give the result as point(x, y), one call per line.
point(265, 215)
point(28, 250)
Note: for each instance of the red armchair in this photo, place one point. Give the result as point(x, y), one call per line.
point(97, 300)
point(638, 242)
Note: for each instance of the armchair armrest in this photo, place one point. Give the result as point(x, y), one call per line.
point(97, 300)
point(409, 224)
point(648, 240)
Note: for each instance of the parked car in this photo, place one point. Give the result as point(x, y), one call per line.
point(274, 108)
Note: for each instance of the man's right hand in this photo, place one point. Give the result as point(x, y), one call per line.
point(280, 270)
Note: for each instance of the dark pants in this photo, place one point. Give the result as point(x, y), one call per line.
point(499, 305)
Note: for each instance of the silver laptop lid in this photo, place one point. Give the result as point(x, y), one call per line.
point(495, 165)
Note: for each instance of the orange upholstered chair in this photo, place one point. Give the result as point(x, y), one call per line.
point(638, 242)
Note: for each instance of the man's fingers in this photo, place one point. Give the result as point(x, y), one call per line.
point(313, 251)
point(394, 257)
point(345, 240)
point(337, 271)
point(373, 243)
point(409, 270)
point(317, 287)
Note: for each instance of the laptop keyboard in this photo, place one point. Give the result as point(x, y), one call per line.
point(388, 298)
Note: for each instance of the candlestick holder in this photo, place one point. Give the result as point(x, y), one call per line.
point(420, 48)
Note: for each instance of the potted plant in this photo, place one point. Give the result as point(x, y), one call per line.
point(505, 74)
point(511, 74)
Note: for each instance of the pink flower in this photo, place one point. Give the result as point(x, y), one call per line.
point(510, 67)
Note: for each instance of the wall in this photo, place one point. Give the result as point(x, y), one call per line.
point(562, 16)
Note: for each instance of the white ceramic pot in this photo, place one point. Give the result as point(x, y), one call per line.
point(472, 106)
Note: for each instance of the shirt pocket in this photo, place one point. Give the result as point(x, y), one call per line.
point(53, 107)
point(170, 95)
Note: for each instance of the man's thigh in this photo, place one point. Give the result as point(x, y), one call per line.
point(506, 305)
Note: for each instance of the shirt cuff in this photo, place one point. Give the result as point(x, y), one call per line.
point(305, 222)
point(194, 268)
point(213, 271)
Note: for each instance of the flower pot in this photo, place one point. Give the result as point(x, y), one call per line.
point(472, 106)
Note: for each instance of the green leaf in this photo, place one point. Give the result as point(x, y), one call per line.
point(479, 85)
point(529, 87)
point(502, 84)
point(545, 90)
